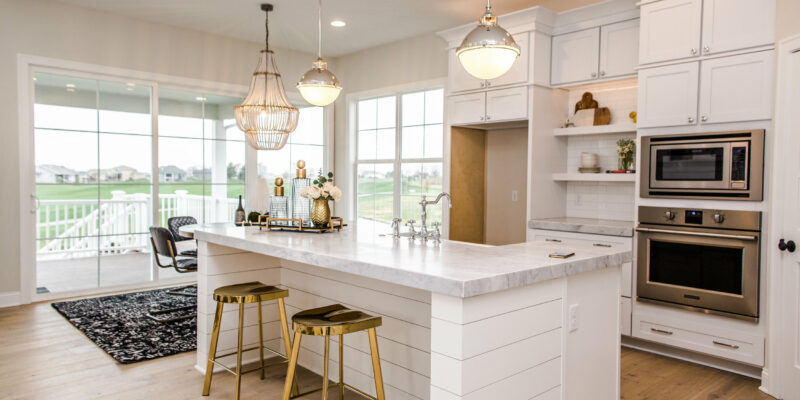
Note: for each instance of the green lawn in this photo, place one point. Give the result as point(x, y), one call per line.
point(89, 192)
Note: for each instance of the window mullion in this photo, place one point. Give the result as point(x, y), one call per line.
point(398, 140)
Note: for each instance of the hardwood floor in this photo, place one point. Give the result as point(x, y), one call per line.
point(44, 357)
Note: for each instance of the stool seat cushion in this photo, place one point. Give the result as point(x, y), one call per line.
point(334, 319)
point(187, 264)
point(250, 292)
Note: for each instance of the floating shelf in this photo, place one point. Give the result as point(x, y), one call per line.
point(600, 177)
point(595, 130)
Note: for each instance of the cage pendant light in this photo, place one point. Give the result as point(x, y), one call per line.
point(488, 51)
point(266, 116)
point(318, 85)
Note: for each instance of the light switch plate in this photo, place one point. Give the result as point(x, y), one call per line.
point(514, 195)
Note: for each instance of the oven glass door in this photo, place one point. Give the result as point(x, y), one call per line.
point(698, 266)
point(690, 166)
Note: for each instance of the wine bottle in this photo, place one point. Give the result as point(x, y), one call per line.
point(240, 216)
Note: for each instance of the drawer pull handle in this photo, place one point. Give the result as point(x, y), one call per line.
point(601, 245)
point(661, 331)
point(732, 346)
point(552, 240)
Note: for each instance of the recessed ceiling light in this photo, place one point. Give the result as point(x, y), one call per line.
point(69, 89)
point(70, 85)
point(131, 84)
point(338, 23)
point(198, 98)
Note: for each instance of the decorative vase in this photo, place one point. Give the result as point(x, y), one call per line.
point(626, 162)
point(320, 213)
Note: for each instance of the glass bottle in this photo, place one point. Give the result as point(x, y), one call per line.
point(301, 207)
point(279, 204)
point(240, 215)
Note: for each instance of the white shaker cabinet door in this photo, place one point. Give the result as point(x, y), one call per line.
point(737, 88)
point(575, 56)
point(519, 71)
point(619, 49)
point(668, 95)
point(458, 79)
point(507, 104)
point(737, 24)
point(467, 108)
point(670, 30)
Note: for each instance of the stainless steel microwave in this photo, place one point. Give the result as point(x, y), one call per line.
point(722, 165)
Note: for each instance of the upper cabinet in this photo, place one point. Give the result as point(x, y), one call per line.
point(460, 80)
point(680, 29)
point(737, 24)
point(668, 95)
point(603, 52)
point(670, 30)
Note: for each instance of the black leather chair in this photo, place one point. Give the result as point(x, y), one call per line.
point(164, 246)
point(174, 224)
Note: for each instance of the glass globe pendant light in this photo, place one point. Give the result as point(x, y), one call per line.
point(318, 85)
point(488, 51)
point(266, 116)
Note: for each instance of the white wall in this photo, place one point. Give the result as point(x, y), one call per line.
point(788, 15)
point(56, 30)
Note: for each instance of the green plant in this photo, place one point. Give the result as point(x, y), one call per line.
point(253, 216)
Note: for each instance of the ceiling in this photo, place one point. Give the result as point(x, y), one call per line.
point(293, 24)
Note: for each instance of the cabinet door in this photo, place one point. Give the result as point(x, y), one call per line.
point(668, 95)
point(619, 49)
point(458, 79)
point(670, 30)
point(737, 24)
point(507, 104)
point(467, 108)
point(519, 71)
point(575, 56)
point(737, 88)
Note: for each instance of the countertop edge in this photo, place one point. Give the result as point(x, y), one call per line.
point(576, 227)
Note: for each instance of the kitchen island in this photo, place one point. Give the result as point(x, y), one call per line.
point(460, 320)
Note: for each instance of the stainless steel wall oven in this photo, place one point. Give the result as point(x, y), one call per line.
point(699, 259)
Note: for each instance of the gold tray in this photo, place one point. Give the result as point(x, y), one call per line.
point(296, 224)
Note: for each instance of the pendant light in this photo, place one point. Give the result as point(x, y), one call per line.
point(266, 116)
point(318, 85)
point(488, 51)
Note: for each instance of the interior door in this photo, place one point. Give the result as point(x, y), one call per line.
point(785, 307)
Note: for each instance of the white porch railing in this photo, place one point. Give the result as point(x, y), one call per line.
point(82, 228)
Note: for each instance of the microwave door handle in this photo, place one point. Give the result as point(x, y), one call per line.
point(701, 234)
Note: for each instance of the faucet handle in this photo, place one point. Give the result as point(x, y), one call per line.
point(437, 234)
point(410, 223)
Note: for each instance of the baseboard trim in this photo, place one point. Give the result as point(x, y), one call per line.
point(9, 299)
point(693, 357)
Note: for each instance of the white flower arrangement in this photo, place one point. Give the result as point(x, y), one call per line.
point(322, 188)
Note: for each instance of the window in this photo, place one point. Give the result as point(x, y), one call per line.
point(306, 143)
point(399, 156)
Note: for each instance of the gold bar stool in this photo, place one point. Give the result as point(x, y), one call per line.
point(339, 320)
point(241, 294)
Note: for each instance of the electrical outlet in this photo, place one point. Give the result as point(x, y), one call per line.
point(573, 317)
point(514, 195)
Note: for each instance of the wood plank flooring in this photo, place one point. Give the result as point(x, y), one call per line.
point(42, 356)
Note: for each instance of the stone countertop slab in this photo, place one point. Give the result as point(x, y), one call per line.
point(584, 225)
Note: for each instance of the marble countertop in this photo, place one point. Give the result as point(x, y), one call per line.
point(451, 268)
point(584, 225)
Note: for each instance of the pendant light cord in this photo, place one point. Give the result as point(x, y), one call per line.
point(319, 30)
point(266, 29)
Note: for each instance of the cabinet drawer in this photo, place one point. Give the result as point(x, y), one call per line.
point(467, 108)
point(625, 316)
point(582, 238)
point(723, 343)
point(507, 104)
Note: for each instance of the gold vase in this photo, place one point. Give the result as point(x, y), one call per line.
point(320, 213)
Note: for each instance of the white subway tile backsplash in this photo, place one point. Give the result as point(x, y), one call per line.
point(600, 200)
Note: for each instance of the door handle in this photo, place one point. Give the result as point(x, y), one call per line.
point(702, 234)
point(787, 245)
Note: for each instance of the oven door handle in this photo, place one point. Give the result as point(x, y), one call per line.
point(703, 234)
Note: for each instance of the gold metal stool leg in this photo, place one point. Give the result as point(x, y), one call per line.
point(212, 351)
point(325, 367)
point(290, 371)
point(376, 363)
point(341, 367)
point(239, 352)
point(260, 341)
point(286, 343)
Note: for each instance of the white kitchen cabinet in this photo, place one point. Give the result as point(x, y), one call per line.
point(467, 108)
point(507, 104)
point(460, 80)
point(737, 24)
point(670, 30)
point(619, 49)
point(737, 88)
point(668, 95)
point(575, 56)
point(625, 315)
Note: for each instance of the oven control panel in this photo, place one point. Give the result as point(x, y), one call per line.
point(693, 217)
point(700, 218)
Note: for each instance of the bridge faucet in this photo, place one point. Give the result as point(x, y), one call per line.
point(424, 203)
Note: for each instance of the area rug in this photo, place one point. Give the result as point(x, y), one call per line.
point(118, 324)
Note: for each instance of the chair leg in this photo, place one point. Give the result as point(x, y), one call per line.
point(212, 351)
point(260, 341)
point(376, 363)
point(326, 361)
point(341, 367)
point(286, 344)
point(239, 352)
point(290, 371)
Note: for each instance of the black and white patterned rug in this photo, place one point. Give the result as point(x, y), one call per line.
point(118, 324)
